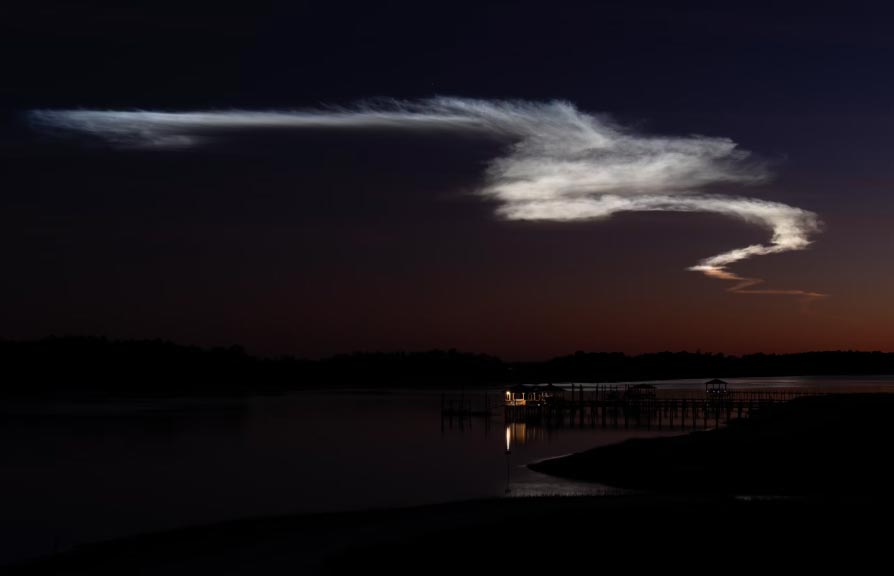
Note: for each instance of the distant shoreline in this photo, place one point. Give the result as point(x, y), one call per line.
point(95, 368)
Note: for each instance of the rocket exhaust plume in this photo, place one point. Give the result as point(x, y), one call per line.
point(559, 164)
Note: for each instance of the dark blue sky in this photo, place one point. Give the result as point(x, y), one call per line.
point(316, 243)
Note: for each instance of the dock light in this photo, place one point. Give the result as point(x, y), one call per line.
point(508, 439)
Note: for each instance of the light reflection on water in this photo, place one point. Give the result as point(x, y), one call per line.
point(78, 473)
point(527, 440)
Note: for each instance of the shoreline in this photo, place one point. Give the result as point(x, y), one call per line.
point(785, 452)
point(724, 481)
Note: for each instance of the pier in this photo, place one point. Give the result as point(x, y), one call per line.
point(618, 406)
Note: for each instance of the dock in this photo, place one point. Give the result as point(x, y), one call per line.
point(620, 406)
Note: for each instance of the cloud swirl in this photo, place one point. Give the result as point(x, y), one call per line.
point(559, 164)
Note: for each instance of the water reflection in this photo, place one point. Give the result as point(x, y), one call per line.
point(523, 433)
point(527, 442)
point(508, 458)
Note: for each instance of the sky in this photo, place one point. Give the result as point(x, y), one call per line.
point(439, 176)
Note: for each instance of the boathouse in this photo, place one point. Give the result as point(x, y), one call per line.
point(522, 395)
point(716, 387)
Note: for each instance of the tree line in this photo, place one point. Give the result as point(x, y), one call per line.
point(78, 367)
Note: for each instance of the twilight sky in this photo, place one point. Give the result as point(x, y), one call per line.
point(519, 178)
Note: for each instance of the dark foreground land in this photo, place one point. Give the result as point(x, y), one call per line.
point(829, 455)
point(528, 536)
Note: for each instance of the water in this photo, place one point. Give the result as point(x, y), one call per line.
point(818, 384)
point(88, 472)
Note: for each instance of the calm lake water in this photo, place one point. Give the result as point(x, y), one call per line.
point(86, 472)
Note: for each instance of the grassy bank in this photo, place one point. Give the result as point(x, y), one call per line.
point(828, 445)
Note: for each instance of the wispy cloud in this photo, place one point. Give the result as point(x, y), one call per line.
point(560, 164)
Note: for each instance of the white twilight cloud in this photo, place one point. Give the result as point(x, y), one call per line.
point(560, 164)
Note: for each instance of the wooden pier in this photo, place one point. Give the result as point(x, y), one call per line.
point(613, 406)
